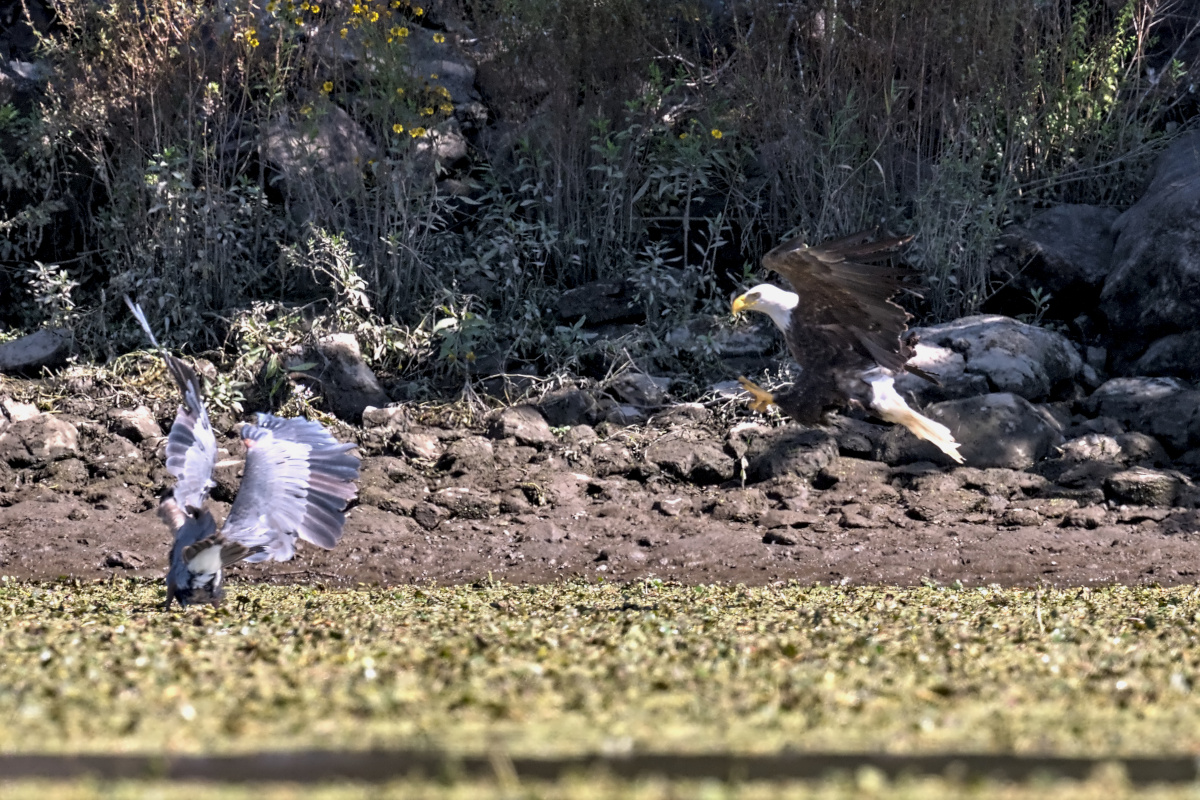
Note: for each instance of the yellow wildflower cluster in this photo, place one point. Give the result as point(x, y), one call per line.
point(417, 132)
point(250, 37)
point(440, 38)
point(716, 133)
point(397, 128)
point(327, 87)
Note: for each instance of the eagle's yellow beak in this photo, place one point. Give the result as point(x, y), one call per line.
point(740, 304)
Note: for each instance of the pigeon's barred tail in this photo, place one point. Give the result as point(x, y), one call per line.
point(140, 316)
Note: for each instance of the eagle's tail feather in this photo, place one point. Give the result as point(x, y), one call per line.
point(888, 403)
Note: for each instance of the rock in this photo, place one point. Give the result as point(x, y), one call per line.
point(995, 430)
point(1166, 408)
point(122, 560)
point(1177, 354)
point(601, 302)
point(787, 518)
point(569, 407)
point(610, 459)
point(684, 414)
point(1089, 517)
point(44, 348)
point(523, 423)
point(620, 414)
point(391, 417)
point(136, 424)
point(1123, 448)
point(699, 462)
point(1153, 289)
point(420, 444)
point(471, 454)
point(429, 516)
point(671, 506)
point(1009, 356)
point(466, 503)
point(347, 382)
point(1021, 517)
point(37, 439)
point(788, 451)
point(1142, 487)
point(326, 153)
point(1067, 251)
point(641, 390)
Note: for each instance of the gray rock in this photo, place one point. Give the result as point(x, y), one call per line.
point(995, 430)
point(37, 439)
point(1154, 287)
point(45, 348)
point(327, 153)
point(466, 503)
point(1008, 355)
point(1142, 487)
point(1166, 408)
point(1177, 354)
point(420, 444)
point(569, 407)
point(1089, 517)
point(349, 385)
point(468, 454)
point(1122, 448)
point(391, 417)
point(523, 423)
point(700, 462)
point(135, 424)
point(601, 302)
point(641, 390)
point(1067, 250)
point(788, 451)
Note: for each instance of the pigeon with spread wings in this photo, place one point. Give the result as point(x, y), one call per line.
point(297, 482)
point(844, 332)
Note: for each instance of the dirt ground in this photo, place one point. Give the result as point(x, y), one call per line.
point(454, 506)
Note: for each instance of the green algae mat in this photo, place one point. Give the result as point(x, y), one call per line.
point(579, 668)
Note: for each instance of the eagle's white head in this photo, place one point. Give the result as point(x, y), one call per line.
point(776, 303)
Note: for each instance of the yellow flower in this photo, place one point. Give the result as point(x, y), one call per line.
point(427, 112)
point(683, 136)
point(327, 87)
point(316, 9)
point(304, 6)
point(250, 33)
point(716, 133)
point(418, 11)
point(443, 91)
point(439, 38)
point(446, 108)
point(401, 32)
point(400, 90)
point(306, 110)
point(374, 16)
point(433, 76)
point(415, 132)
point(298, 21)
point(271, 6)
point(344, 32)
point(254, 42)
point(471, 356)
point(397, 128)
point(356, 8)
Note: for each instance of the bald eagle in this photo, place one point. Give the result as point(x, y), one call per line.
point(844, 332)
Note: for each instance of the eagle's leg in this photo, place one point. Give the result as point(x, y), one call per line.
point(762, 398)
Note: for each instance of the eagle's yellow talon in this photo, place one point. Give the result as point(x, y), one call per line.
point(763, 399)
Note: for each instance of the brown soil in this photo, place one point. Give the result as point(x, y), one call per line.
point(596, 508)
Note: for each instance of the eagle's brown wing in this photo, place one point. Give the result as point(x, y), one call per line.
point(845, 300)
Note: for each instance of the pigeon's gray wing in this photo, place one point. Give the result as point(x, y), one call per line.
point(297, 482)
point(191, 444)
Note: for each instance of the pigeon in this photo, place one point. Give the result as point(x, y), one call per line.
point(297, 482)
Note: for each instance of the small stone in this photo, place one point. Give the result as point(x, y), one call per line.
point(670, 506)
point(136, 424)
point(122, 560)
point(1090, 518)
point(523, 423)
point(1021, 517)
point(429, 516)
point(468, 454)
point(778, 537)
point(641, 390)
point(569, 407)
point(783, 518)
point(388, 417)
point(465, 503)
point(420, 445)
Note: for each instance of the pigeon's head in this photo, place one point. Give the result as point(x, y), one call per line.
point(200, 590)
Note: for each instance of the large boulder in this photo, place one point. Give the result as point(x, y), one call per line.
point(45, 348)
point(1067, 251)
point(987, 353)
point(994, 430)
point(349, 385)
point(1166, 408)
point(1154, 287)
point(36, 439)
point(1177, 354)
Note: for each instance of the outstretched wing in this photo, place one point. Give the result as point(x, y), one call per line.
point(844, 294)
point(297, 482)
point(191, 444)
